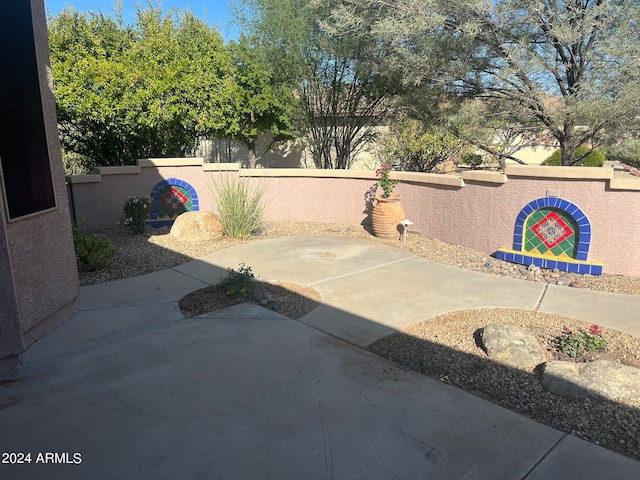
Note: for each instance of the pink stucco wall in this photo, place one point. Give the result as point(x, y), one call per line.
point(42, 254)
point(477, 214)
point(482, 216)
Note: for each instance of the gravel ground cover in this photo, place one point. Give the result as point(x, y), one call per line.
point(443, 347)
point(156, 250)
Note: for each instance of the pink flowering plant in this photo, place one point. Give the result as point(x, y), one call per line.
point(575, 343)
point(385, 182)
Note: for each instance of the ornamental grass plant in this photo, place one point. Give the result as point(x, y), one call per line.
point(239, 206)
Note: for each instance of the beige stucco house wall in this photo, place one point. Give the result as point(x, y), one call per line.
point(38, 273)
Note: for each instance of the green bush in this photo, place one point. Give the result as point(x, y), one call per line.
point(237, 282)
point(474, 160)
point(92, 250)
point(594, 159)
point(76, 164)
point(239, 206)
point(418, 148)
point(136, 212)
point(628, 151)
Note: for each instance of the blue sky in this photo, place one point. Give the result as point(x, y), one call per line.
point(214, 12)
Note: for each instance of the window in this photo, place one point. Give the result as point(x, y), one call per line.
point(24, 155)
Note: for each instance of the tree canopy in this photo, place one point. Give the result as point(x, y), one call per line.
point(342, 91)
point(153, 88)
point(499, 74)
point(569, 67)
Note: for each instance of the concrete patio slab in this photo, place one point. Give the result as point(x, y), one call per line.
point(265, 398)
point(87, 327)
point(573, 458)
point(617, 311)
point(398, 294)
point(159, 287)
point(137, 391)
point(302, 260)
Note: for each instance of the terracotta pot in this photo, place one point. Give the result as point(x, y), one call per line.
point(387, 215)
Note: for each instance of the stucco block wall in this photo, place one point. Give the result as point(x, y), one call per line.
point(475, 209)
point(315, 199)
point(11, 342)
point(482, 216)
point(37, 258)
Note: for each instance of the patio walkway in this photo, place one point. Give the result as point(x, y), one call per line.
point(140, 392)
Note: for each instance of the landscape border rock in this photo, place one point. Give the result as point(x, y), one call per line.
point(512, 345)
point(604, 378)
point(196, 226)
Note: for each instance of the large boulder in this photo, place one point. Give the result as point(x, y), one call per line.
point(196, 227)
point(512, 345)
point(602, 378)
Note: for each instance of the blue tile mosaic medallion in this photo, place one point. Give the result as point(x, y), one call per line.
point(169, 199)
point(552, 233)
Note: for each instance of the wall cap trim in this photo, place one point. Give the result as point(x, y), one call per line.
point(116, 170)
point(624, 184)
point(90, 178)
point(221, 167)
point(571, 173)
point(171, 162)
point(484, 176)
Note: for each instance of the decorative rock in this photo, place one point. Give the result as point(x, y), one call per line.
point(512, 345)
point(196, 227)
point(603, 378)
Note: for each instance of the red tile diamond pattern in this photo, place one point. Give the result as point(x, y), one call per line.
point(174, 200)
point(552, 230)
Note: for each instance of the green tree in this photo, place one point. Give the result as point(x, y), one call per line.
point(262, 104)
point(342, 90)
point(570, 67)
point(153, 88)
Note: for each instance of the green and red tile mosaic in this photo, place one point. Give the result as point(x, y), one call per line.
point(169, 199)
point(552, 233)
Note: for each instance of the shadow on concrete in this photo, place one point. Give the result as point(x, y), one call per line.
point(518, 390)
point(138, 389)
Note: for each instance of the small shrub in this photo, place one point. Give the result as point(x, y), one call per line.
point(594, 159)
point(237, 282)
point(474, 160)
point(625, 151)
point(576, 343)
point(92, 250)
point(418, 148)
point(239, 206)
point(136, 212)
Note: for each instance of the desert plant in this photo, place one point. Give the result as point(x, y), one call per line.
point(474, 160)
point(419, 149)
point(237, 282)
point(92, 250)
point(136, 212)
point(239, 206)
point(576, 343)
point(625, 151)
point(593, 159)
